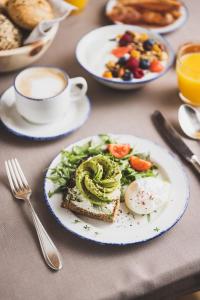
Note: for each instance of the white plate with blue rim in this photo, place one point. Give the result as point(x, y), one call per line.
point(16, 124)
point(128, 228)
point(94, 51)
point(162, 29)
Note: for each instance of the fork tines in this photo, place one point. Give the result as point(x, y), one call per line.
point(15, 175)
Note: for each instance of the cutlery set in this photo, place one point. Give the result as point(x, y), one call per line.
point(173, 138)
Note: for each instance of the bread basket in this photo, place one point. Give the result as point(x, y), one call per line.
point(21, 57)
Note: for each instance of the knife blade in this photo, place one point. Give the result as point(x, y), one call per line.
point(168, 132)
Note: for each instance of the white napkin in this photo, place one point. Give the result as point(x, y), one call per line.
point(61, 11)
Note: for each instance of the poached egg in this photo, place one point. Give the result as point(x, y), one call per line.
point(145, 195)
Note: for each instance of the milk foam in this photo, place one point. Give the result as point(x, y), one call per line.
point(40, 83)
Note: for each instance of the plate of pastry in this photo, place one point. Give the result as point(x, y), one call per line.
point(116, 189)
point(162, 16)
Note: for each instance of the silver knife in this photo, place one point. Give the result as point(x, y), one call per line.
point(168, 132)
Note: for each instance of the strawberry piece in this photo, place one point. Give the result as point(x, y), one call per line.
point(138, 73)
point(126, 39)
point(132, 63)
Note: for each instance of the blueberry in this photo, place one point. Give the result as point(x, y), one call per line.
point(127, 76)
point(148, 44)
point(122, 61)
point(144, 64)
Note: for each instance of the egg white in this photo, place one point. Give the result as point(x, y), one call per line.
point(145, 195)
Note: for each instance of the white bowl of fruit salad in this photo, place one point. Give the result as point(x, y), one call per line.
point(124, 56)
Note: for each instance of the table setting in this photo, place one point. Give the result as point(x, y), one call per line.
point(100, 129)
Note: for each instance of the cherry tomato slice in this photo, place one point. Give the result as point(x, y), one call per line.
point(119, 150)
point(139, 164)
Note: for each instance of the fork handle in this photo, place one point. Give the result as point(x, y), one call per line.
point(49, 250)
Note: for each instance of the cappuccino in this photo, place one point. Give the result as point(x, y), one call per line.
point(41, 82)
point(45, 95)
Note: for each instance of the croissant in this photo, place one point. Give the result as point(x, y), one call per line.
point(154, 5)
point(149, 12)
point(156, 18)
point(125, 14)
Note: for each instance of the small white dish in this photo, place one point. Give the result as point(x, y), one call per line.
point(93, 52)
point(127, 229)
point(17, 125)
point(162, 29)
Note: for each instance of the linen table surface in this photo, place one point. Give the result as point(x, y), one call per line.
point(160, 269)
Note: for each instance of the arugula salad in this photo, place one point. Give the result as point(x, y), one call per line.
point(133, 165)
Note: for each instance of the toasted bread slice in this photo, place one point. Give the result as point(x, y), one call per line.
point(79, 204)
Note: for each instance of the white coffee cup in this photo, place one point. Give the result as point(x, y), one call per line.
point(45, 94)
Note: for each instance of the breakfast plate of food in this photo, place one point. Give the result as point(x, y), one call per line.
point(116, 189)
point(124, 56)
point(162, 16)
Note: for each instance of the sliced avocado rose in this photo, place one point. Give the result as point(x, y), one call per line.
point(97, 178)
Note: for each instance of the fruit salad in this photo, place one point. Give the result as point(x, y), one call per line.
point(134, 56)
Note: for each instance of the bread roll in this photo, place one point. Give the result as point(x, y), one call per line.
point(27, 14)
point(10, 35)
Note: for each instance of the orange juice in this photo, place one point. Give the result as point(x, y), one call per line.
point(188, 72)
point(80, 4)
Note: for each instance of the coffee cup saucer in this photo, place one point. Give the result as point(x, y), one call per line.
point(16, 124)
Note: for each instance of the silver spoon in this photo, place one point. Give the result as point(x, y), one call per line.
point(189, 119)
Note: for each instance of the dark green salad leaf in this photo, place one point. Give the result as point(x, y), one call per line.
point(63, 175)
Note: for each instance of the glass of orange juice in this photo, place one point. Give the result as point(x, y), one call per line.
point(188, 73)
point(80, 4)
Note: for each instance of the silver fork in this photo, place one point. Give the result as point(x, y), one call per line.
point(21, 190)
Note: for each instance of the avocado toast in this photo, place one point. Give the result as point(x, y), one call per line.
point(97, 190)
point(93, 177)
point(106, 212)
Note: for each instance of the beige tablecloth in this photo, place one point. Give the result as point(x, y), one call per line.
point(159, 269)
